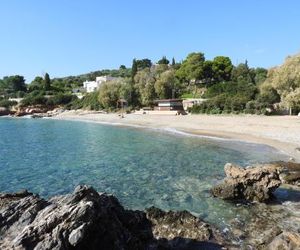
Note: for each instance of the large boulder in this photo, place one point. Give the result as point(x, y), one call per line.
point(250, 183)
point(86, 219)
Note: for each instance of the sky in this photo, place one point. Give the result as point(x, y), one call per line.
point(71, 37)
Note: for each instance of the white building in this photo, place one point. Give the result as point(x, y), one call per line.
point(91, 86)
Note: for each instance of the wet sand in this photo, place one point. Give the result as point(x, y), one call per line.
point(280, 132)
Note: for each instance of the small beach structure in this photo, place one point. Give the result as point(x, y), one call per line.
point(169, 106)
point(122, 103)
point(164, 107)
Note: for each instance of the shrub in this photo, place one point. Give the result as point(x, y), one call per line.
point(7, 104)
point(33, 100)
point(61, 99)
point(89, 101)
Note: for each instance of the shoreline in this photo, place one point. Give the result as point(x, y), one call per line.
point(252, 129)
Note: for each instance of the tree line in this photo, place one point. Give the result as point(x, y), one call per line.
point(227, 88)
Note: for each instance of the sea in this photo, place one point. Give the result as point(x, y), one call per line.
point(141, 167)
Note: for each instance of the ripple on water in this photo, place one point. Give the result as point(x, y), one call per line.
point(141, 167)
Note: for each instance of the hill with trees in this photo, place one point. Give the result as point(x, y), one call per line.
point(227, 88)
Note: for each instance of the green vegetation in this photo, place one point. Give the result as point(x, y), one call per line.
point(224, 87)
point(89, 101)
point(285, 81)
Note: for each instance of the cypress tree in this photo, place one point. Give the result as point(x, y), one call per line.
point(173, 61)
point(47, 82)
point(134, 69)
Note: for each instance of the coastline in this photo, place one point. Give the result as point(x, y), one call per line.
point(279, 132)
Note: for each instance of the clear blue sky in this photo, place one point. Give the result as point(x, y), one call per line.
point(69, 37)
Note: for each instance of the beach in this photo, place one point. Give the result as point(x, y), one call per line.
point(280, 132)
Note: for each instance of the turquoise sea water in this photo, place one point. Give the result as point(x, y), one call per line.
point(141, 167)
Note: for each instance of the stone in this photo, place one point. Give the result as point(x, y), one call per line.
point(290, 173)
point(87, 219)
point(251, 183)
point(285, 241)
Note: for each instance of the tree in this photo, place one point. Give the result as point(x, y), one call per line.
point(260, 75)
point(122, 67)
point(222, 67)
point(243, 73)
point(167, 85)
point(285, 79)
point(160, 68)
point(14, 83)
point(47, 82)
point(134, 69)
point(163, 60)
point(191, 68)
point(173, 62)
point(36, 84)
point(109, 94)
point(208, 75)
point(144, 84)
point(143, 63)
point(292, 100)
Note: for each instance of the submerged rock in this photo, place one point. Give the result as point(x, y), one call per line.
point(183, 228)
point(86, 219)
point(251, 183)
point(285, 241)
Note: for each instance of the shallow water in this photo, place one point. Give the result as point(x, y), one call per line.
point(141, 167)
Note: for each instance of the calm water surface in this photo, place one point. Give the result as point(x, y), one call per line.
point(141, 167)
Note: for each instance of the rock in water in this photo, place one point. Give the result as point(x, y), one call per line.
point(285, 241)
point(86, 219)
point(251, 183)
point(183, 227)
point(290, 172)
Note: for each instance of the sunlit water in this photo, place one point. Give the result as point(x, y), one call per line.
point(141, 167)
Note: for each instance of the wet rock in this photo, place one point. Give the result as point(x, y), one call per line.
point(285, 241)
point(290, 173)
point(86, 219)
point(172, 224)
point(250, 183)
point(4, 111)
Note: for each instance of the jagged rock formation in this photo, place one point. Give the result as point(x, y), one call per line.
point(290, 172)
point(250, 183)
point(86, 219)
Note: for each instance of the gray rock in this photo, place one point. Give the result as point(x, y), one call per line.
point(86, 219)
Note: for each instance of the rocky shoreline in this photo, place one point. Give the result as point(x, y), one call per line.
point(256, 183)
point(87, 219)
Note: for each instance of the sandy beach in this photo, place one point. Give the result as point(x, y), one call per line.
point(280, 132)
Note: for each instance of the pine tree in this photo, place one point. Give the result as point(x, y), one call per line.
point(163, 60)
